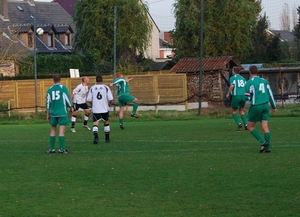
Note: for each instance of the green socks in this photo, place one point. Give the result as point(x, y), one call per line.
point(268, 139)
point(61, 140)
point(257, 136)
point(52, 142)
point(236, 118)
point(121, 121)
point(244, 119)
point(135, 107)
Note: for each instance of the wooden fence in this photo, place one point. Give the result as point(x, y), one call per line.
point(149, 89)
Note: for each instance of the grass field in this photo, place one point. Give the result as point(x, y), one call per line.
point(154, 168)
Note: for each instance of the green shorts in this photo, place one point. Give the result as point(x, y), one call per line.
point(238, 102)
point(125, 99)
point(62, 121)
point(258, 113)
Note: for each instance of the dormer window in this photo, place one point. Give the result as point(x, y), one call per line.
point(30, 40)
point(68, 39)
point(50, 40)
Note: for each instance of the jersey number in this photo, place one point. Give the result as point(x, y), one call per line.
point(241, 83)
point(56, 95)
point(99, 96)
point(262, 87)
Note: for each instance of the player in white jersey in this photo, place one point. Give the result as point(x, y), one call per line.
point(79, 101)
point(100, 97)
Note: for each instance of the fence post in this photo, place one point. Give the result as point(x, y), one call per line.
point(8, 107)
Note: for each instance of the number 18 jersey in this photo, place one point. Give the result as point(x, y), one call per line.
point(100, 95)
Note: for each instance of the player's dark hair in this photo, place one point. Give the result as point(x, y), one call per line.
point(236, 69)
point(253, 70)
point(99, 78)
point(56, 77)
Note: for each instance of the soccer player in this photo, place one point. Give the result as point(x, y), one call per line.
point(100, 97)
point(260, 93)
point(57, 103)
point(79, 101)
point(124, 97)
point(238, 100)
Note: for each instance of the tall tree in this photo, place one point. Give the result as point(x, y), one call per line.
point(285, 21)
point(296, 32)
point(94, 21)
point(227, 26)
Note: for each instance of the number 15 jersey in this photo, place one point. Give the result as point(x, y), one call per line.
point(100, 95)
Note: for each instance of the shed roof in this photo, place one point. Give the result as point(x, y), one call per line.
point(192, 64)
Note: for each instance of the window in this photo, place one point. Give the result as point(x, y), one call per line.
point(30, 40)
point(50, 40)
point(67, 40)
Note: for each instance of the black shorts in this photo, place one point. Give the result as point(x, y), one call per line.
point(83, 106)
point(101, 117)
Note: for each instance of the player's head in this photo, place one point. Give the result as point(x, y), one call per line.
point(56, 78)
point(119, 75)
point(253, 70)
point(85, 79)
point(99, 78)
point(236, 70)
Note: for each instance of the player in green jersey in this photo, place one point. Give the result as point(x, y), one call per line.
point(238, 100)
point(124, 97)
point(260, 94)
point(58, 102)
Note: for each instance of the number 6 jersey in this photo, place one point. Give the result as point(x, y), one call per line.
point(100, 95)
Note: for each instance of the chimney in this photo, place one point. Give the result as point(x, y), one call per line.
point(4, 10)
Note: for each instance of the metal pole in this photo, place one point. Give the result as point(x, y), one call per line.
point(35, 67)
point(115, 49)
point(201, 56)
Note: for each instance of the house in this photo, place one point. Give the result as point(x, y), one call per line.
point(284, 35)
point(19, 19)
point(165, 48)
point(215, 77)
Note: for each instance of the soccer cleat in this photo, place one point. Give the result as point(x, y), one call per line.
point(50, 151)
point(240, 127)
point(268, 151)
point(263, 147)
point(86, 127)
point(246, 128)
point(107, 141)
point(95, 141)
point(63, 151)
point(134, 115)
point(73, 130)
point(122, 127)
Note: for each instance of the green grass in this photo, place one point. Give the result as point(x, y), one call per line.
point(161, 167)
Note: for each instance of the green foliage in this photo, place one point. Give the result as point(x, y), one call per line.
point(55, 63)
point(95, 28)
point(227, 26)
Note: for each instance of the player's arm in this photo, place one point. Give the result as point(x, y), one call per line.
point(229, 90)
point(129, 79)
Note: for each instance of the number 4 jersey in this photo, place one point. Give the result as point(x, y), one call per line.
point(100, 95)
point(58, 100)
point(259, 91)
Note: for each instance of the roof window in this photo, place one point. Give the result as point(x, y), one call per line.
point(20, 8)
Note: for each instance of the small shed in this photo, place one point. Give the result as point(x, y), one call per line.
point(215, 78)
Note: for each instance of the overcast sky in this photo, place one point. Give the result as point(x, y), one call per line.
point(161, 11)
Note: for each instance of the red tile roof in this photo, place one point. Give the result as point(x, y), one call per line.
point(192, 64)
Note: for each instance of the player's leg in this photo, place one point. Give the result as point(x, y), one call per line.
point(96, 118)
point(254, 116)
point(121, 116)
point(63, 122)
point(87, 113)
point(234, 107)
point(52, 137)
point(135, 107)
point(243, 117)
point(74, 117)
point(105, 117)
point(265, 127)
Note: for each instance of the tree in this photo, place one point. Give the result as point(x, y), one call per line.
point(285, 22)
point(227, 26)
point(296, 32)
point(95, 28)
